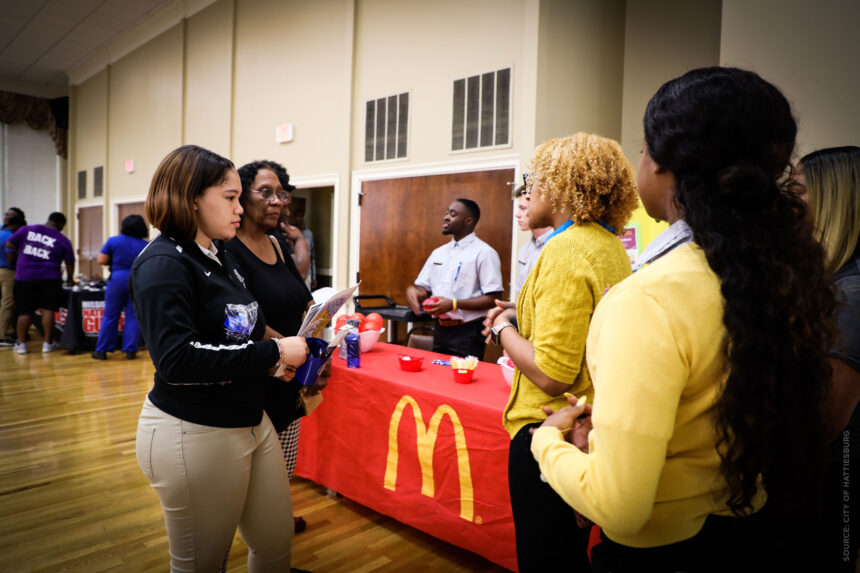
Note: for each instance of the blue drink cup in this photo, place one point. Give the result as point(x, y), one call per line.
point(318, 355)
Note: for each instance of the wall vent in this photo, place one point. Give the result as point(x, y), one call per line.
point(82, 184)
point(482, 111)
point(98, 181)
point(386, 128)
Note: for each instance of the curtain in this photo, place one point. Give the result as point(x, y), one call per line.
point(38, 113)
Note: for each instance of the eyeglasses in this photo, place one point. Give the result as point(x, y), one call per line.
point(268, 194)
point(528, 182)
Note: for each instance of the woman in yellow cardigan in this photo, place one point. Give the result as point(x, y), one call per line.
point(584, 187)
point(709, 364)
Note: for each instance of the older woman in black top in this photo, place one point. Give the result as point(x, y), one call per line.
point(203, 440)
point(274, 280)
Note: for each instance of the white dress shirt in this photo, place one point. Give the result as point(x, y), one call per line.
point(677, 234)
point(526, 260)
point(462, 269)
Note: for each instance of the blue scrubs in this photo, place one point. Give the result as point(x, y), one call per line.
point(122, 251)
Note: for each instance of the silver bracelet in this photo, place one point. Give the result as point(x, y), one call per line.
point(281, 358)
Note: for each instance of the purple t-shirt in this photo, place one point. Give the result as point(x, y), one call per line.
point(41, 249)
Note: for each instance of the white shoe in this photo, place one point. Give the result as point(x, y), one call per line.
point(20, 348)
point(50, 346)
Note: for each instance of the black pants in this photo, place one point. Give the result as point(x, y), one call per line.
point(546, 530)
point(461, 340)
point(762, 542)
point(835, 531)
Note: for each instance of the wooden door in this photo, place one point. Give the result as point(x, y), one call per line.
point(401, 223)
point(126, 209)
point(90, 237)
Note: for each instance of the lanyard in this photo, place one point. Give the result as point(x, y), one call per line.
point(569, 223)
point(563, 227)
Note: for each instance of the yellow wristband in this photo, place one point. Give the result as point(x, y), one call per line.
point(455, 304)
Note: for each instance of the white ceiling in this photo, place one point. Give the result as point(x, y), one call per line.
point(41, 39)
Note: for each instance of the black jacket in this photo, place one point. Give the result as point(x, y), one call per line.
point(204, 333)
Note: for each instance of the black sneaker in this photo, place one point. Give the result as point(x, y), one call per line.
point(131, 355)
point(300, 524)
point(7, 342)
point(99, 355)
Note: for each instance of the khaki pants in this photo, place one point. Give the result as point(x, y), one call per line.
point(211, 480)
point(7, 303)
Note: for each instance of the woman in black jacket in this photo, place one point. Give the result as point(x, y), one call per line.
point(203, 440)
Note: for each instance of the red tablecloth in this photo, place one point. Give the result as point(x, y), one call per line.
point(418, 447)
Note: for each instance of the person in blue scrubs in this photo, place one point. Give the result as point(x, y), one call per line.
point(119, 252)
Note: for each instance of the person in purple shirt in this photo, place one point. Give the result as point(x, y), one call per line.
point(119, 252)
point(38, 252)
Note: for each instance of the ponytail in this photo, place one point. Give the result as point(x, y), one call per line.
point(736, 141)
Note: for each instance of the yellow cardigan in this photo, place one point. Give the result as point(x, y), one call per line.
point(655, 355)
point(553, 311)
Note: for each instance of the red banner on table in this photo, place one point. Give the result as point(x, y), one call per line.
point(418, 447)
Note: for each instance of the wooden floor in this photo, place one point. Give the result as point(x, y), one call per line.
point(72, 497)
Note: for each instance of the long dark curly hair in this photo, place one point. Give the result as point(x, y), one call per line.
point(727, 136)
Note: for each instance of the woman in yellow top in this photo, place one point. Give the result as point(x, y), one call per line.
point(584, 187)
point(709, 365)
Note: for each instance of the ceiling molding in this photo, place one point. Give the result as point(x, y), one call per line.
point(31, 89)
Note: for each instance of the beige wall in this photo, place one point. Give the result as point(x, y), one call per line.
point(225, 76)
point(88, 138)
point(431, 44)
point(809, 49)
point(663, 39)
point(277, 83)
point(208, 69)
point(88, 133)
point(145, 115)
point(580, 68)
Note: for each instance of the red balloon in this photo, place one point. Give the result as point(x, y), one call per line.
point(375, 317)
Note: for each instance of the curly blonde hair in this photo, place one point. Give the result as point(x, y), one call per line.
point(588, 175)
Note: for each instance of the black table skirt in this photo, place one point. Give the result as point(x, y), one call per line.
point(79, 320)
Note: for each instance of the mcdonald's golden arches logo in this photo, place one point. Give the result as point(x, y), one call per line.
point(426, 443)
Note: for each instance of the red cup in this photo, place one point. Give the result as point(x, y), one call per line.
point(463, 376)
point(410, 363)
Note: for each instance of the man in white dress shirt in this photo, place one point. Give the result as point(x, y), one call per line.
point(530, 252)
point(465, 276)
